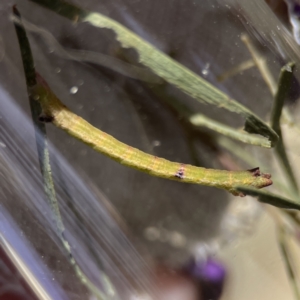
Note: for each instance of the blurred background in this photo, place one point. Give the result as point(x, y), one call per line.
point(150, 235)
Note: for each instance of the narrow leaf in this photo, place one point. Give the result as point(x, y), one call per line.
point(284, 85)
point(202, 120)
point(40, 128)
point(43, 153)
point(164, 66)
point(269, 198)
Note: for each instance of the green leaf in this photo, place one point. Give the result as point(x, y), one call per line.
point(269, 198)
point(165, 67)
point(42, 147)
point(242, 136)
point(283, 88)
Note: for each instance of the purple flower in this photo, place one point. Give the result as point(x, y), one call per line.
point(296, 9)
point(211, 276)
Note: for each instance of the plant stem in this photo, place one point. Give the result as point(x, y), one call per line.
point(281, 93)
point(165, 67)
point(260, 63)
point(286, 256)
point(236, 70)
point(43, 153)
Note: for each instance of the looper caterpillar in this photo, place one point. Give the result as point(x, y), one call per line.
point(58, 114)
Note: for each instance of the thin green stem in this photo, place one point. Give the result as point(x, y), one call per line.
point(286, 256)
point(144, 75)
point(269, 198)
point(260, 63)
point(200, 120)
point(107, 61)
point(242, 136)
point(282, 91)
point(236, 70)
point(286, 225)
point(165, 67)
point(39, 127)
point(239, 152)
point(283, 86)
point(43, 153)
point(279, 91)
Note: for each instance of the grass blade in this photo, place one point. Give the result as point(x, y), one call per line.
point(269, 198)
point(203, 121)
point(164, 66)
point(43, 153)
point(283, 243)
point(200, 120)
point(283, 87)
point(39, 127)
point(284, 84)
point(261, 64)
